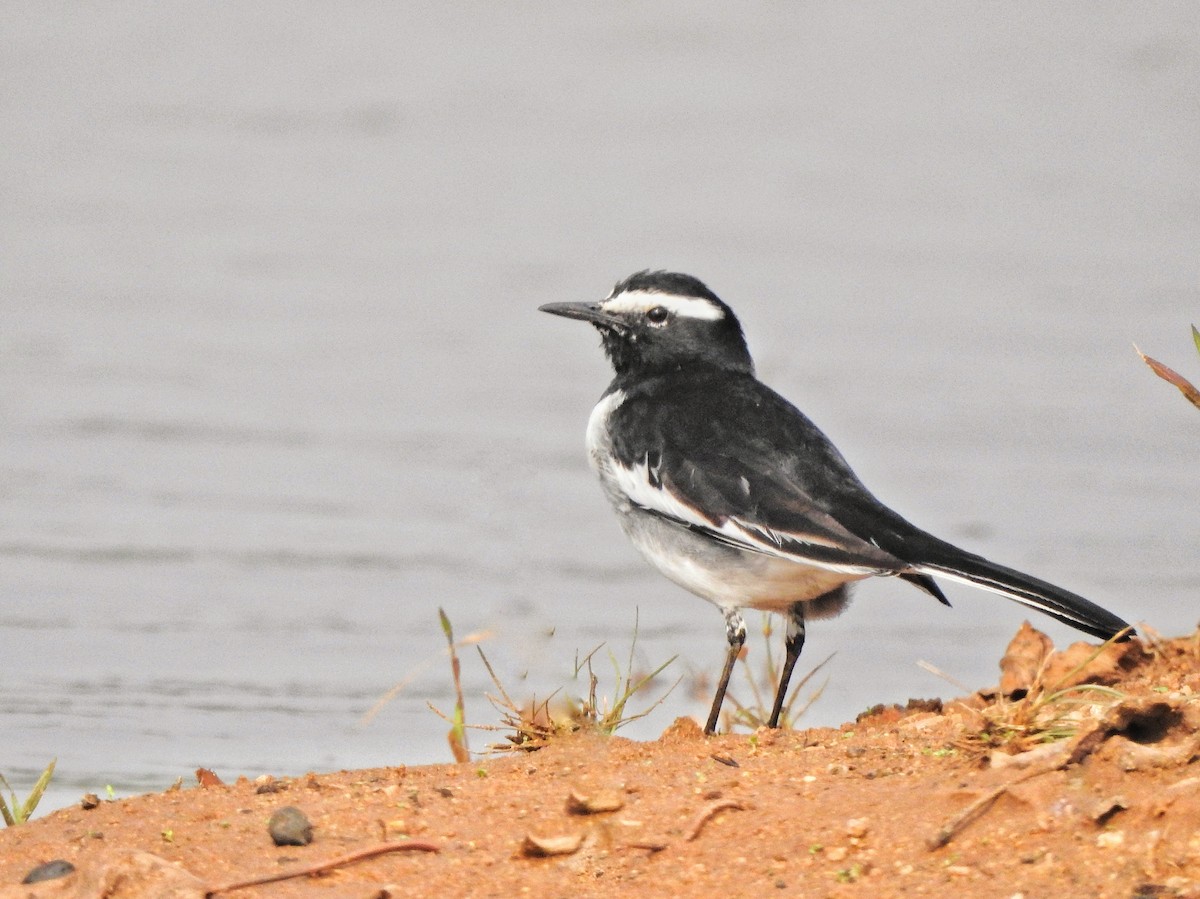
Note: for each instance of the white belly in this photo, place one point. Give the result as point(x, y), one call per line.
point(728, 577)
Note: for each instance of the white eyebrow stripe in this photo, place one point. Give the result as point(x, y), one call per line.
point(644, 300)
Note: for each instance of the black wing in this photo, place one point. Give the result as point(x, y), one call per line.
point(769, 480)
point(731, 458)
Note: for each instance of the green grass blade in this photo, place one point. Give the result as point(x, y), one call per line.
point(15, 812)
point(35, 795)
point(616, 718)
point(12, 815)
point(458, 724)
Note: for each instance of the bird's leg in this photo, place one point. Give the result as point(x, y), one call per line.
point(793, 643)
point(735, 633)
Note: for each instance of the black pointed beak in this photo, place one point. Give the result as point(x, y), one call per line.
point(588, 312)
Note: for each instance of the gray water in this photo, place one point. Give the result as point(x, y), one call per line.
point(273, 387)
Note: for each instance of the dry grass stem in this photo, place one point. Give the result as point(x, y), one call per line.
point(323, 867)
point(532, 725)
point(706, 814)
point(1046, 713)
point(978, 809)
point(472, 639)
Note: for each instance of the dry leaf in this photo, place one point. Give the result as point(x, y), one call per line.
point(1173, 377)
point(1023, 659)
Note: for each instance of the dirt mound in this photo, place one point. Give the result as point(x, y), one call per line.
point(1080, 779)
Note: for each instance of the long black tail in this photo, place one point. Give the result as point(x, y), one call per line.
point(939, 559)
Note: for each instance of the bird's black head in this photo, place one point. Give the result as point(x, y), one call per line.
point(656, 321)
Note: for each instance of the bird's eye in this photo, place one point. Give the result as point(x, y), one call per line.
point(657, 315)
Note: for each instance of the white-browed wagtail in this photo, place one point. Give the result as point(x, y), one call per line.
point(732, 493)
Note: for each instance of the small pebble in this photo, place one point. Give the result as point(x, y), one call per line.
point(547, 846)
point(1110, 839)
point(264, 787)
point(289, 827)
point(857, 827)
point(49, 871)
point(579, 803)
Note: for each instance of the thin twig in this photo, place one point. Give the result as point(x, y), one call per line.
point(705, 814)
point(340, 861)
point(650, 845)
point(976, 809)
